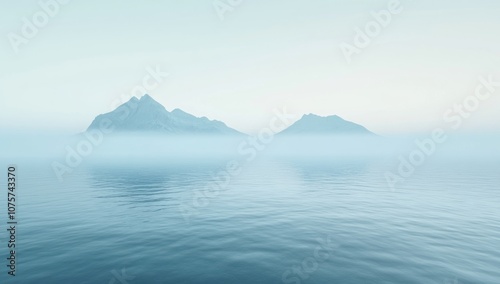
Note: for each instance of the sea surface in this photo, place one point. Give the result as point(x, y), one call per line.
point(276, 220)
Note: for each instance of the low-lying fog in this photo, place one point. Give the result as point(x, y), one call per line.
point(136, 147)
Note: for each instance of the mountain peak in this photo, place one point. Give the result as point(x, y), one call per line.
point(310, 115)
point(146, 97)
point(146, 114)
point(333, 124)
point(318, 117)
point(149, 104)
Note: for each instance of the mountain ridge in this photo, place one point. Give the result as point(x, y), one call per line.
point(147, 115)
point(321, 125)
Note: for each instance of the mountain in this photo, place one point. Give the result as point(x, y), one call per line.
point(147, 115)
point(312, 124)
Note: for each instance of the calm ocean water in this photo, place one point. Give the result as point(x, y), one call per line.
point(278, 221)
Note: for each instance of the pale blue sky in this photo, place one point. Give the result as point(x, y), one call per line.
point(265, 54)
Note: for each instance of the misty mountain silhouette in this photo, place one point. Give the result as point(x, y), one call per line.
point(147, 115)
point(312, 124)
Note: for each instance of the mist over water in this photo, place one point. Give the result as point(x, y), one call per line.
point(151, 147)
point(171, 209)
